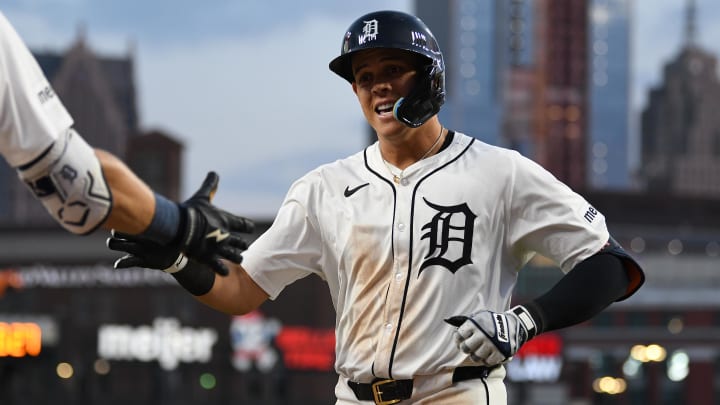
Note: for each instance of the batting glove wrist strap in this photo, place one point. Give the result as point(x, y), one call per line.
point(191, 275)
point(195, 277)
point(179, 264)
point(492, 338)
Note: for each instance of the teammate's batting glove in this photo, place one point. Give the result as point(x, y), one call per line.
point(492, 338)
point(141, 252)
point(209, 233)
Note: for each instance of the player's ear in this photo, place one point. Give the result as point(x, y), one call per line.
point(354, 87)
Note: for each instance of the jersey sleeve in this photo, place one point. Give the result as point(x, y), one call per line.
point(549, 218)
point(31, 114)
point(290, 249)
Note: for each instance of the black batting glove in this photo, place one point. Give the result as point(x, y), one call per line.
point(492, 338)
point(195, 277)
point(208, 233)
point(141, 252)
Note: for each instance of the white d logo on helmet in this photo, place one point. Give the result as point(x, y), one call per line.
point(370, 31)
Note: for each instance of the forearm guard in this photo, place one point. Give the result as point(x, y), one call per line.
point(68, 179)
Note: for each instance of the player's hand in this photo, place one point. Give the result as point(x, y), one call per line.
point(209, 233)
point(141, 252)
point(195, 277)
point(492, 338)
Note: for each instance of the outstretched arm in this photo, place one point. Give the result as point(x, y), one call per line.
point(234, 293)
point(84, 189)
point(133, 201)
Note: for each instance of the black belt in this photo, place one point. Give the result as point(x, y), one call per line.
point(388, 391)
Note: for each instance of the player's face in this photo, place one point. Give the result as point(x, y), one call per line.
point(382, 76)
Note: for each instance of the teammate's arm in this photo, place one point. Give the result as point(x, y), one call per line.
point(84, 189)
point(133, 201)
point(492, 338)
point(236, 293)
point(81, 188)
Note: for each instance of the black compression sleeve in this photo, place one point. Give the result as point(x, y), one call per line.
point(589, 288)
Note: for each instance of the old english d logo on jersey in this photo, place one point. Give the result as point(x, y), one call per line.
point(450, 227)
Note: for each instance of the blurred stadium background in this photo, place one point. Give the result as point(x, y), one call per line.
point(550, 78)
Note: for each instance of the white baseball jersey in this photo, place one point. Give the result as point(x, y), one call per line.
point(31, 115)
point(399, 258)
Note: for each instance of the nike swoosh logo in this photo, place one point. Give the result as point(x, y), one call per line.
point(218, 235)
point(350, 191)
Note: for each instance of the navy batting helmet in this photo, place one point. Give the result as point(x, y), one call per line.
point(398, 30)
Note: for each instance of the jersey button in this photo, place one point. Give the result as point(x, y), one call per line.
point(401, 227)
point(404, 182)
point(388, 326)
point(398, 276)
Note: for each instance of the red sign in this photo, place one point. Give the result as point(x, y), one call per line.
point(306, 348)
point(539, 360)
point(547, 344)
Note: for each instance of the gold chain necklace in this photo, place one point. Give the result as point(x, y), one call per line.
point(397, 177)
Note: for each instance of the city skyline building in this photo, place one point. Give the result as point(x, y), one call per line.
point(515, 56)
point(609, 63)
point(680, 126)
point(465, 31)
point(561, 98)
point(520, 75)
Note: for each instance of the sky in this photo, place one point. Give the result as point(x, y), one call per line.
point(244, 84)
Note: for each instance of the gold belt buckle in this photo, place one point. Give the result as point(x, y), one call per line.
point(377, 394)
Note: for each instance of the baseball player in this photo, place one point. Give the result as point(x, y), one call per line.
point(420, 238)
point(84, 189)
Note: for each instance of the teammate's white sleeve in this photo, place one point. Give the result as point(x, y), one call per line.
point(549, 218)
point(36, 139)
point(31, 115)
point(290, 249)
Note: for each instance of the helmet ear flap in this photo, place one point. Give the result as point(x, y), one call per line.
point(424, 100)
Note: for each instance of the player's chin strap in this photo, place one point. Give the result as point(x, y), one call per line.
point(68, 180)
point(421, 104)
